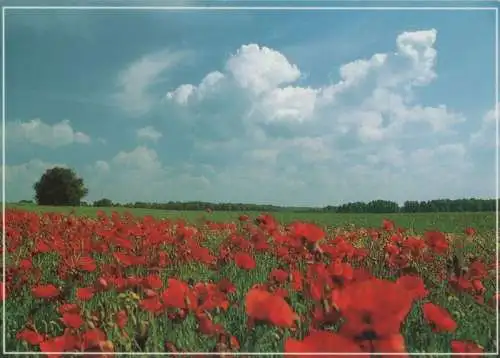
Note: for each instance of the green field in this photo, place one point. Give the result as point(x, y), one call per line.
point(418, 222)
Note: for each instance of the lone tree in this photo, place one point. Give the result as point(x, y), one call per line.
point(59, 186)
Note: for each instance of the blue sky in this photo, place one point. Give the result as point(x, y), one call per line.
point(294, 108)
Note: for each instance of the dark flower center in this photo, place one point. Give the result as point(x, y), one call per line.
point(367, 335)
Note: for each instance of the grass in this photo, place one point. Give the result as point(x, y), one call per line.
point(417, 222)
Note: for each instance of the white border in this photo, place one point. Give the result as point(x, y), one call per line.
point(252, 8)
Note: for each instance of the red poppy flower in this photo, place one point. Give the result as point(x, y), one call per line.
point(72, 320)
point(322, 342)
point(152, 304)
point(478, 270)
point(467, 347)
point(178, 295)
point(393, 343)
point(86, 263)
point(372, 307)
point(279, 275)
point(226, 286)
point(124, 259)
point(72, 340)
point(54, 345)
point(121, 319)
point(30, 336)
point(26, 264)
point(478, 287)
point(387, 225)
point(469, 231)
point(436, 241)
point(85, 293)
point(439, 318)
point(414, 284)
point(244, 261)
point(322, 315)
point(45, 291)
point(92, 337)
point(279, 312)
point(262, 305)
point(296, 280)
point(68, 308)
point(153, 281)
point(208, 327)
point(254, 304)
point(308, 231)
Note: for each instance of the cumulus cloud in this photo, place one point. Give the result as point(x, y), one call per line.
point(373, 97)
point(20, 178)
point(149, 133)
point(261, 69)
point(367, 124)
point(486, 135)
point(417, 48)
point(183, 93)
point(40, 133)
point(142, 170)
point(141, 158)
point(288, 103)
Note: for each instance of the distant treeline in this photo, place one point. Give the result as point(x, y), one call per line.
point(375, 206)
point(438, 205)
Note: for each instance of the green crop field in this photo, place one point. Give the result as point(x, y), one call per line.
point(449, 222)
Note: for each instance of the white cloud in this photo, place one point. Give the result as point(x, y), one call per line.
point(20, 178)
point(149, 133)
point(322, 134)
point(351, 75)
point(135, 81)
point(141, 158)
point(311, 149)
point(418, 47)
point(102, 166)
point(182, 94)
point(288, 103)
point(38, 132)
point(300, 149)
point(142, 170)
point(456, 150)
point(261, 69)
point(373, 97)
point(486, 135)
point(388, 155)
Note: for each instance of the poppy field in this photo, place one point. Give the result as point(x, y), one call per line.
point(122, 282)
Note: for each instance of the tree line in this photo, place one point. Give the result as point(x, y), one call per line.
point(61, 186)
point(375, 206)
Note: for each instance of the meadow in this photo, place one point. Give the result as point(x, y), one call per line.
point(135, 280)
